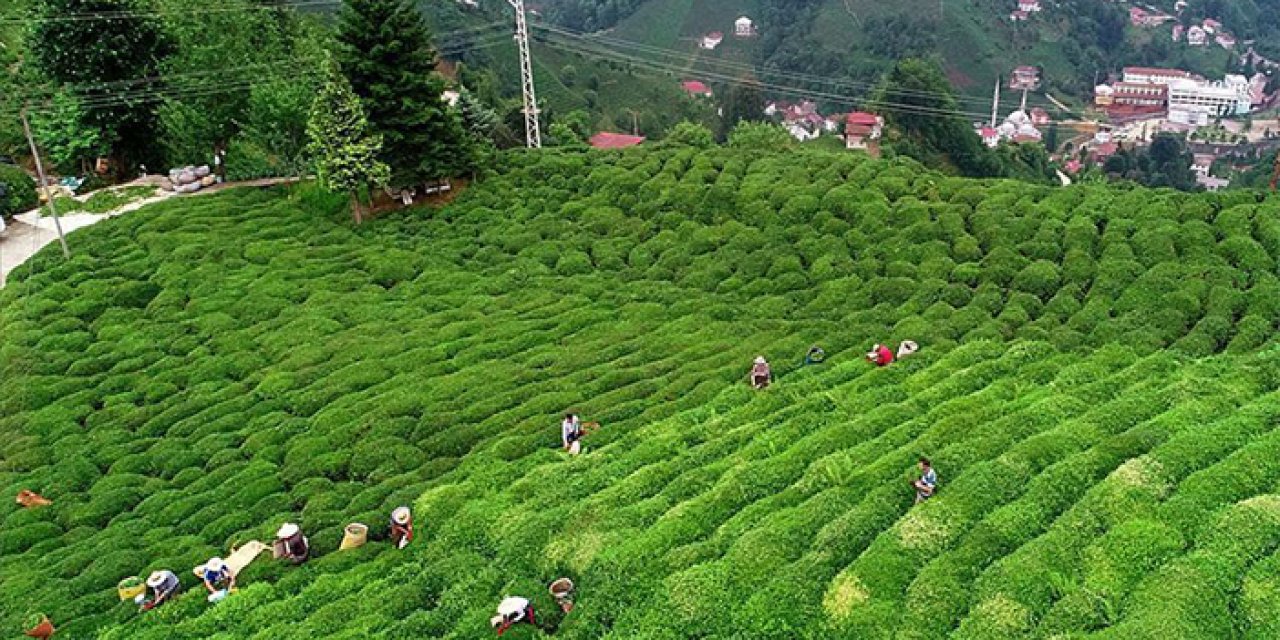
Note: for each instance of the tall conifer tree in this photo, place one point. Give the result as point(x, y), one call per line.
point(386, 53)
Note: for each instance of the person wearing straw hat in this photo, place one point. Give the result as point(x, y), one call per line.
point(761, 376)
point(216, 573)
point(401, 527)
point(291, 544)
point(907, 348)
point(512, 610)
point(163, 584)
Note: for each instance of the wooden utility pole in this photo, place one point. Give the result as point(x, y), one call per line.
point(53, 209)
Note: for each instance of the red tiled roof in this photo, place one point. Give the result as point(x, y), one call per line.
point(608, 140)
point(863, 118)
point(694, 86)
point(1156, 71)
point(1105, 149)
point(861, 130)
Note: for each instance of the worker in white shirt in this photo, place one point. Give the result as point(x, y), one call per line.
point(512, 610)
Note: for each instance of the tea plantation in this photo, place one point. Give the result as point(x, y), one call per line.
point(1098, 386)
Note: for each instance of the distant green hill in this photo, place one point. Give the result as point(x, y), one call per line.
point(1075, 41)
point(1098, 388)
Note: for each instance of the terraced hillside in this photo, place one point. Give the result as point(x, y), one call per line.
point(1097, 387)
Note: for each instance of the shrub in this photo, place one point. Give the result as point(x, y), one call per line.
point(17, 191)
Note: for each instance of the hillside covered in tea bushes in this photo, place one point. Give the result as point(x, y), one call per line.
point(1098, 389)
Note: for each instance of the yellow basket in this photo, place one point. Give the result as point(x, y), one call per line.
point(129, 593)
point(354, 536)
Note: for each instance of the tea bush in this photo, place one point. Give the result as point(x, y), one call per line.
point(1097, 387)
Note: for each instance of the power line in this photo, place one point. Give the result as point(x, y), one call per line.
point(93, 16)
point(135, 87)
point(197, 90)
point(747, 68)
point(790, 90)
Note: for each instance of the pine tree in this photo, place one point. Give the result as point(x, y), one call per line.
point(744, 102)
point(346, 151)
point(386, 53)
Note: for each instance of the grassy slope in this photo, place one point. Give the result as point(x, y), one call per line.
point(1097, 387)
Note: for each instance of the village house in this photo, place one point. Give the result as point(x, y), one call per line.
point(1039, 117)
point(801, 132)
point(1103, 95)
point(1099, 153)
point(1025, 77)
point(1211, 26)
point(1029, 6)
point(743, 27)
point(1225, 40)
point(1177, 32)
point(1019, 16)
point(862, 130)
point(609, 140)
point(696, 88)
point(1140, 17)
point(711, 40)
point(990, 136)
point(1196, 37)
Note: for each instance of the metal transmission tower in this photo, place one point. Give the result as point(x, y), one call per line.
point(533, 131)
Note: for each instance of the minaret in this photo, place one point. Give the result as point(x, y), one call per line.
point(995, 104)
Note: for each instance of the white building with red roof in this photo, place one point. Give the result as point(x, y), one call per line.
point(990, 136)
point(1029, 6)
point(1196, 36)
point(1225, 40)
point(1154, 75)
point(711, 40)
point(862, 129)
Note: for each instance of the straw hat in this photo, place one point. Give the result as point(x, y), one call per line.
point(400, 516)
point(155, 579)
point(214, 564)
point(287, 530)
point(760, 360)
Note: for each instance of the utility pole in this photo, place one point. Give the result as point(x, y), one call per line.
point(532, 130)
point(995, 103)
point(26, 128)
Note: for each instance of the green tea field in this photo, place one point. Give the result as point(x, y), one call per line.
point(1098, 387)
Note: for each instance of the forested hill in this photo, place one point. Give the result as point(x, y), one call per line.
point(1098, 387)
point(857, 39)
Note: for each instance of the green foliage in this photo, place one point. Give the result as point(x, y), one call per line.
point(346, 151)
point(690, 134)
point(386, 53)
point(69, 141)
point(94, 56)
point(1097, 387)
point(17, 191)
point(760, 136)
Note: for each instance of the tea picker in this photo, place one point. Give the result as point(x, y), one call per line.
point(216, 573)
point(164, 584)
point(291, 544)
point(512, 610)
point(760, 374)
point(880, 356)
point(401, 527)
point(572, 430)
point(928, 482)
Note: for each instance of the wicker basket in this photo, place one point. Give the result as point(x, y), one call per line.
point(354, 535)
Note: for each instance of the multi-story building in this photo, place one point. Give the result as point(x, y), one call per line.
point(1154, 75)
point(1230, 96)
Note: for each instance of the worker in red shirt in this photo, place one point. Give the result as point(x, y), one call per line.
point(880, 355)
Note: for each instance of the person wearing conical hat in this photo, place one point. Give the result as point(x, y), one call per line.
point(164, 584)
point(401, 527)
point(512, 610)
point(291, 544)
point(761, 376)
point(217, 576)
